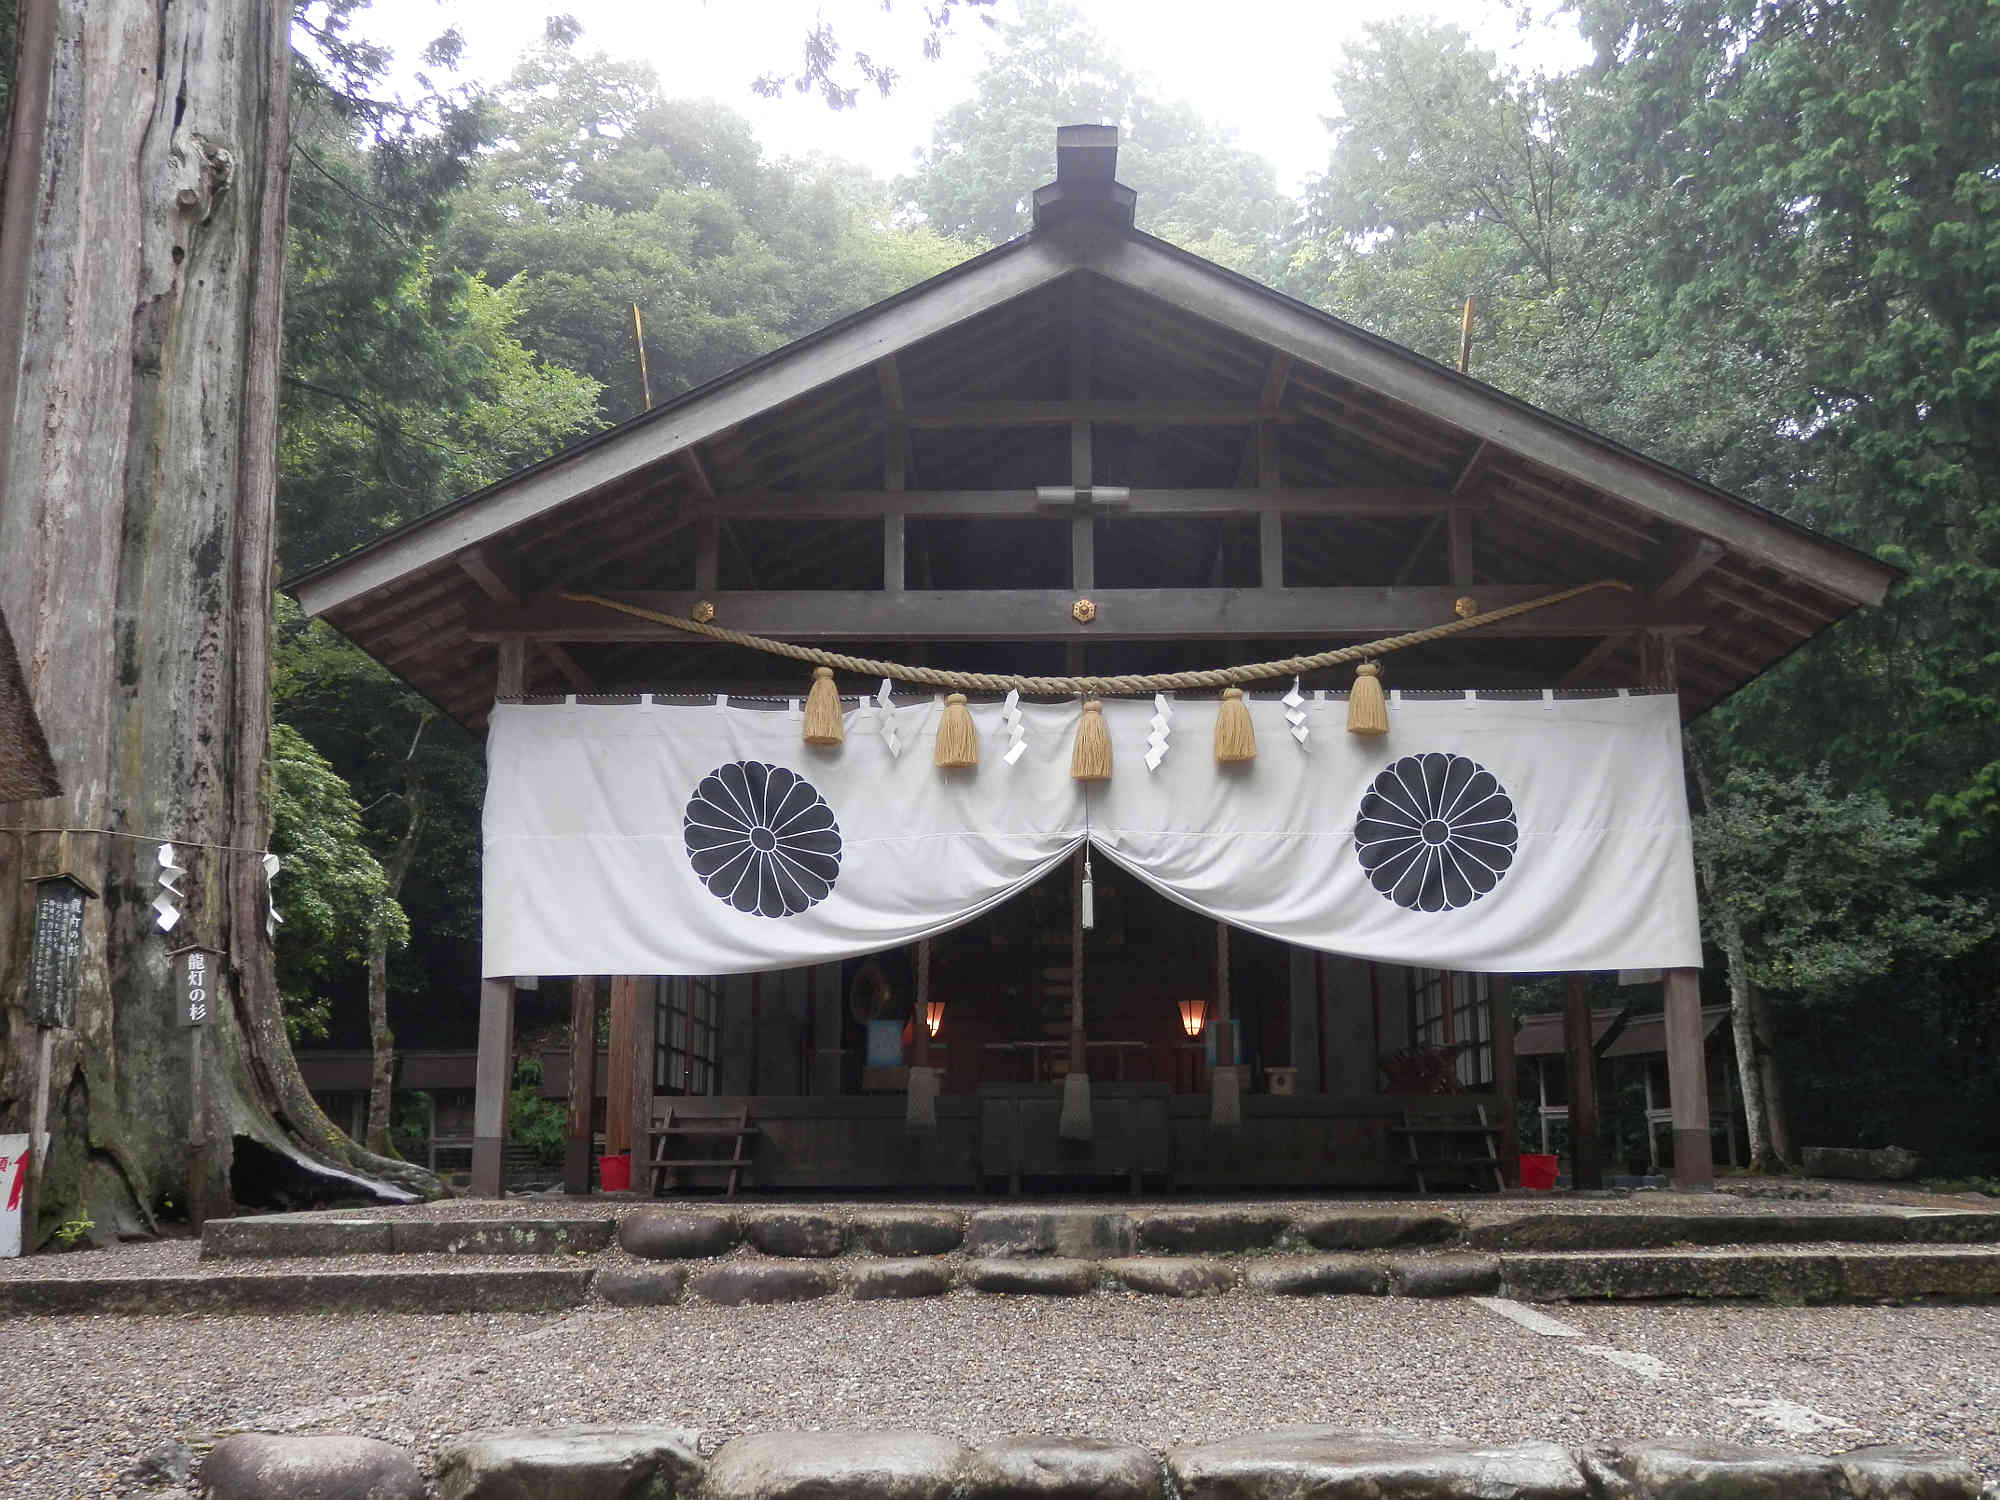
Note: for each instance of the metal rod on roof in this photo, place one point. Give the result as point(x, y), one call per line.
point(1464, 336)
point(645, 384)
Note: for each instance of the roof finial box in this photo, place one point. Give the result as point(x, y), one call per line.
point(1086, 185)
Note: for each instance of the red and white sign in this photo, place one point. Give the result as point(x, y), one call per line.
point(14, 1168)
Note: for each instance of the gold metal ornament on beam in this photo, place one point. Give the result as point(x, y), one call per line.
point(1083, 611)
point(1465, 606)
point(703, 612)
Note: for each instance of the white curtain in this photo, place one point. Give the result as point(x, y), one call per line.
point(1481, 835)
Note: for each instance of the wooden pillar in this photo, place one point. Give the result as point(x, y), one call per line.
point(645, 1023)
point(1079, 1052)
point(582, 1082)
point(1500, 990)
point(1225, 1039)
point(618, 1086)
point(492, 1078)
point(1586, 1165)
point(1687, 1082)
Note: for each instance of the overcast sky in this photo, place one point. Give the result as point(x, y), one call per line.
point(1258, 68)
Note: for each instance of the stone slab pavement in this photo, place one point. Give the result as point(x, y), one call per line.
point(91, 1394)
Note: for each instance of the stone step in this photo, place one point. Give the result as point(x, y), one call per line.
point(1097, 1234)
point(421, 1289)
point(278, 1236)
point(432, 1284)
point(1969, 1273)
point(1277, 1465)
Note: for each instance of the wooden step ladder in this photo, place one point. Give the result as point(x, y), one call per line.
point(672, 1140)
point(1451, 1142)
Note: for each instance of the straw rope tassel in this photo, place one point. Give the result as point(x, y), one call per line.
point(823, 722)
point(1235, 737)
point(1367, 713)
point(1091, 759)
point(957, 739)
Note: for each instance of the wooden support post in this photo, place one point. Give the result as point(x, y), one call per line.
point(1079, 1051)
point(1225, 1038)
point(640, 1067)
point(618, 1086)
point(582, 1082)
point(1500, 989)
point(707, 553)
point(1586, 1169)
point(1687, 1082)
point(493, 1076)
point(1458, 541)
point(510, 675)
point(923, 1030)
point(1083, 524)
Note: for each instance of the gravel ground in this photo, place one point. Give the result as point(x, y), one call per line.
point(91, 1394)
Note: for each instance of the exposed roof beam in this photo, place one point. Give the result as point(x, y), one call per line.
point(1395, 501)
point(1114, 413)
point(1694, 557)
point(853, 344)
point(1044, 614)
point(572, 671)
point(492, 572)
point(1181, 281)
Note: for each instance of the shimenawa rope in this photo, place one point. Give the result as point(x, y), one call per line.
point(1058, 687)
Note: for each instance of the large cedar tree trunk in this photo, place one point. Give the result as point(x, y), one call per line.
point(141, 250)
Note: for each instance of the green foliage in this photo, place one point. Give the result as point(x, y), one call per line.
point(1049, 68)
point(331, 890)
point(1836, 895)
point(532, 1121)
point(600, 194)
point(71, 1230)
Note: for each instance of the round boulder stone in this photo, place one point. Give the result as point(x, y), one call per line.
point(1720, 1469)
point(1171, 1275)
point(909, 1232)
point(309, 1466)
point(571, 1463)
point(883, 1280)
point(743, 1283)
point(1317, 1275)
point(1444, 1275)
point(1051, 1277)
point(816, 1465)
point(641, 1286)
point(675, 1236)
point(1061, 1468)
point(807, 1236)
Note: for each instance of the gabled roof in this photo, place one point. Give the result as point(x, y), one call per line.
point(26, 770)
point(1179, 343)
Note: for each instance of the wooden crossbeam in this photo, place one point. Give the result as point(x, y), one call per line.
point(1394, 501)
point(1117, 413)
point(1690, 560)
point(486, 567)
point(1044, 614)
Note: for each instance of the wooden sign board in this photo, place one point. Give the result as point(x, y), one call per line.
point(58, 952)
point(197, 984)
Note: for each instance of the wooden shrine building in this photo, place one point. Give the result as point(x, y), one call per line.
point(1083, 452)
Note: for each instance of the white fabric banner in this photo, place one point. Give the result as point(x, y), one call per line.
point(1498, 836)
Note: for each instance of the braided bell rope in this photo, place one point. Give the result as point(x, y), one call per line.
point(1063, 687)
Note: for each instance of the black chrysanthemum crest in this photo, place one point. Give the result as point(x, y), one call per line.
point(763, 839)
point(1435, 832)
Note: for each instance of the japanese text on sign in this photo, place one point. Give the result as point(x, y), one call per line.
point(198, 988)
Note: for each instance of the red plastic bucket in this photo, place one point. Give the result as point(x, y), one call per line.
point(614, 1173)
point(1538, 1171)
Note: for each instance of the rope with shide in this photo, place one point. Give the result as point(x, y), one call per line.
point(1129, 685)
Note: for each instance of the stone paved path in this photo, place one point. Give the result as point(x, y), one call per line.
point(92, 1393)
